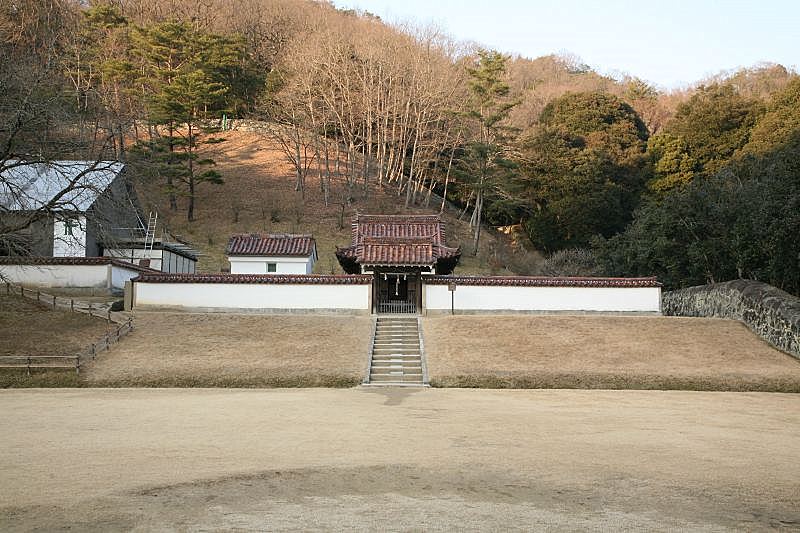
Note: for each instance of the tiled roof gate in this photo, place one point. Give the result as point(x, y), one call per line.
point(398, 240)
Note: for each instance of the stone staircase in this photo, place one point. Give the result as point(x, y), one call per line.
point(396, 357)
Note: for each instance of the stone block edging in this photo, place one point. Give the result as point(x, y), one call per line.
point(772, 314)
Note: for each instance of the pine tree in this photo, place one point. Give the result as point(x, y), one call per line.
point(191, 78)
point(484, 164)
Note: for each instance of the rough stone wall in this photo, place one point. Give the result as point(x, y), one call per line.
point(771, 313)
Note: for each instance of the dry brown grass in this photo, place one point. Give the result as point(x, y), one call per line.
point(28, 328)
point(603, 352)
point(259, 183)
point(185, 349)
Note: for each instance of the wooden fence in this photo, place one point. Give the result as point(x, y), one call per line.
point(102, 311)
point(95, 309)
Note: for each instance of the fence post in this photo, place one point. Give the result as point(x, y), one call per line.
point(54, 301)
point(72, 305)
point(90, 308)
point(28, 367)
point(8, 288)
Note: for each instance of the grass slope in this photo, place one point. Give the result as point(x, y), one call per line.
point(609, 352)
point(258, 196)
point(28, 328)
point(234, 350)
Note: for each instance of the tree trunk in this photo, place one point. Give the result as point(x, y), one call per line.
point(190, 210)
point(173, 201)
point(478, 211)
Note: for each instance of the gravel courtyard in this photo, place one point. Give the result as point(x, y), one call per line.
point(397, 459)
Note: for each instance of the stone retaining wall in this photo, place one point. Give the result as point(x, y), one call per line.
point(771, 313)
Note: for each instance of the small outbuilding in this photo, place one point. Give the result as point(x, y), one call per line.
point(256, 253)
point(161, 255)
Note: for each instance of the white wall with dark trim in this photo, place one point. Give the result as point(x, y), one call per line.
point(100, 276)
point(490, 298)
point(253, 296)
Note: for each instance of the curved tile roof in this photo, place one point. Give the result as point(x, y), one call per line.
point(273, 244)
point(397, 240)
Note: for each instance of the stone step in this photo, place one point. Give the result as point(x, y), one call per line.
point(399, 378)
point(395, 371)
point(396, 354)
point(395, 351)
point(400, 345)
point(395, 363)
point(396, 357)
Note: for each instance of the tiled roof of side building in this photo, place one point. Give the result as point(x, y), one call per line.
point(272, 244)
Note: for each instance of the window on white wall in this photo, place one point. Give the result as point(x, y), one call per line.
point(272, 267)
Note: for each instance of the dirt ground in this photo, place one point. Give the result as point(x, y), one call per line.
point(29, 328)
point(188, 349)
point(397, 459)
point(604, 352)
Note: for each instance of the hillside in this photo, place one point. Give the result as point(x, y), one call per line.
point(258, 196)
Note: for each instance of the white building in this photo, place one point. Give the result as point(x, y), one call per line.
point(254, 253)
point(64, 208)
point(169, 257)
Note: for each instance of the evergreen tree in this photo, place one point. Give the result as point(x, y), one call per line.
point(191, 78)
point(484, 165)
point(704, 134)
point(585, 168)
point(742, 221)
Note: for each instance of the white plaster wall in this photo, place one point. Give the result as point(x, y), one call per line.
point(493, 298)
point(119, 275)
point(85, 276)
point(125, 254)
point(252, 296)
point(283, 265)
point(69, 245)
